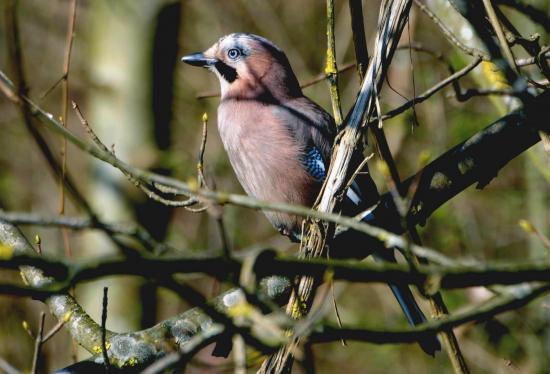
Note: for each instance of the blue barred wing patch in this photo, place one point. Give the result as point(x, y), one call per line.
point(313, 162)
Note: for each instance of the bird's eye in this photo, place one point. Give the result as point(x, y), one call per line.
point(233, 53)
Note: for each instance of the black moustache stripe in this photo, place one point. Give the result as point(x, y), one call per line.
point(226, 71)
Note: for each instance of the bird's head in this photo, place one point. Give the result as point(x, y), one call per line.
point(248, 66)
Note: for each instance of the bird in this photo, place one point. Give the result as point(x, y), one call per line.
point(279, 141)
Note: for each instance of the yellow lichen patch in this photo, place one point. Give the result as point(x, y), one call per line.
point(98, 349)
point(132, 361)
point(6, 251)
point(298, 308)
point(331, 64)
point(241, 309)
point(204, 117)
point(67, 316)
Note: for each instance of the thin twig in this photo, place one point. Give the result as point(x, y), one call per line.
point(201, 180)
point(135, 180)
point(190, 349)
point(89, 129)
point(20, 88)
point(322, 76)
point(215, 210)
point(200, 163)
point(493, 19)
point(38, 343)
point(81, 223)
point(448, 34)
point(27, 108)
point(53, 87)
point(431, 91)
point(536, 15)
point(54, 330)
point(64, 117)
point(331, 69)
point(473, 92)
point(529, 228)
point(496, 305)
point(104, 348)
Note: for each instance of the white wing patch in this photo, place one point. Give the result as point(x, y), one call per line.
point(353, 193)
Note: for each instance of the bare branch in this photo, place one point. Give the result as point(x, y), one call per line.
point(38, 343)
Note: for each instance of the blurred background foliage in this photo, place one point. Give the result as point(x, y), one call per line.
point(126, 77)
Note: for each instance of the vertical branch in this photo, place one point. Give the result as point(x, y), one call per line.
point(65, 97)
point(474, 12)
point(104, 348)
point(439, 310)
point(200, 163)
point(239, 354)
point(359, 41)
point(331, 69)
point(38, 343)
point(17, 66)
point(215, 211)
point(507, 52)
point(64, 113)
point(437, 305)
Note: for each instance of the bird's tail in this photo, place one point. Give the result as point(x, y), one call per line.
point(429, 344)
point(355, 244)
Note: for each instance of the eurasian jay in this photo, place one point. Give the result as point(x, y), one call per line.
point(279, 141)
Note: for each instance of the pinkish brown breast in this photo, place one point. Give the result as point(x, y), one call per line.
point(265, 158)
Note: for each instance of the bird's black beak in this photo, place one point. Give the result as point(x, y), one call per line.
point(199, 59)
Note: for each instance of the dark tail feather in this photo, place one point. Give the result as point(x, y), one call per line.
point(347, 244)
point(429, 344)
